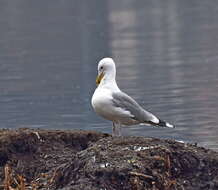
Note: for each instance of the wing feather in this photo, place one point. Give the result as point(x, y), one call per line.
point(122, 100)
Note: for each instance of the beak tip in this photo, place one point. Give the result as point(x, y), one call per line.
point(99, 78)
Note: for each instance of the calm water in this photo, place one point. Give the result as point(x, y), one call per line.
point(166, 54)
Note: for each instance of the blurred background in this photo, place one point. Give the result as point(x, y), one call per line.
point(166, 54)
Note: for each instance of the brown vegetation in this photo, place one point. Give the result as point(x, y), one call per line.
point(49, 159)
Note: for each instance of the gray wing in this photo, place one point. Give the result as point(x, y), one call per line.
point(122, 100)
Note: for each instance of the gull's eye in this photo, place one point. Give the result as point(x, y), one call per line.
point(101, 67)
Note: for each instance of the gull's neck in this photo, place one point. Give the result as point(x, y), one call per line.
point(109, 81)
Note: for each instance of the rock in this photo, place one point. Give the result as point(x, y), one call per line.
point(55, 159)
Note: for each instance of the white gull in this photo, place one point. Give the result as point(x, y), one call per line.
point(112, 104)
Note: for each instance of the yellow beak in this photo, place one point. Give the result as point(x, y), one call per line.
point(99, 78)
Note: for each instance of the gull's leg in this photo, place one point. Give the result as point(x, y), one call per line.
point(116, 129)
point(113, 129)
point(119, 129)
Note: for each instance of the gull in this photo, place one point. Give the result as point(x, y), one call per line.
point(112, 104)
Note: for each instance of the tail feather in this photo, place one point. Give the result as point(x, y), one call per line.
point(161, 123)
point(165, 124)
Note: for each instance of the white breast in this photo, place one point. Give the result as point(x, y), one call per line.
point(103, 105)
point(101, 99)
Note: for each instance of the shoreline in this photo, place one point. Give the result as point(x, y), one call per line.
point(76, 159)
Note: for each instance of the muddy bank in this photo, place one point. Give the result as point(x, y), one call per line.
point(50, 159)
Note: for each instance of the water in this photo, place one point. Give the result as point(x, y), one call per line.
point(166, 54)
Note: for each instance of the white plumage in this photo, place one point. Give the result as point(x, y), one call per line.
point(112, 104)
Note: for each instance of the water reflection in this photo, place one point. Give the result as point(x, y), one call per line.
point(172, 73)
point(166, 54)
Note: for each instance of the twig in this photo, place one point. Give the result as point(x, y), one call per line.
point(7, 180)
point(141, 175)
point(38, 136)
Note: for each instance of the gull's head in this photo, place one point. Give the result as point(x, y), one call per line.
point(106, 70)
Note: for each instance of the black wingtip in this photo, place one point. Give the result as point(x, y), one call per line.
point(161, 123)
point(165, 124)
